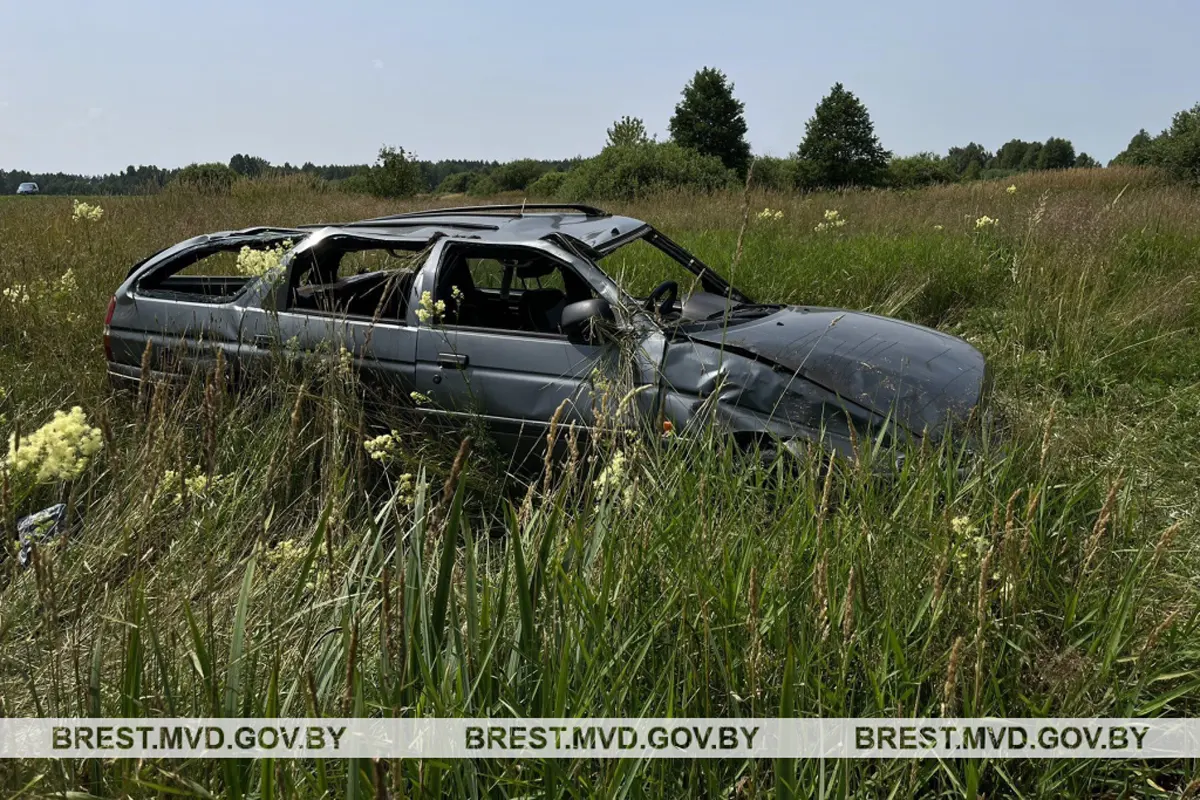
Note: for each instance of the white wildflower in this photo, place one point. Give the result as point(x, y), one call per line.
point(17, 294)
point(430, 311)
point(58, 451)
point(86, 212)
point(253, 263)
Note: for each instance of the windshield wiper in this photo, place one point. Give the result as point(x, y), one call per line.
point(745, 310)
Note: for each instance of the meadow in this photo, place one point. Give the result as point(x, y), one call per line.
point(246, 555)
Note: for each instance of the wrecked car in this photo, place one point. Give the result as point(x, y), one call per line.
point(505, 313)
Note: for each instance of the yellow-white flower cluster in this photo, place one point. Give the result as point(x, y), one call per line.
point(345, 363)
point(616, 478)
point(67, 283)
point(198, 484)
point(1012, 189)
point(971, 544)
point(431, 311)
point(833, 220)
point(57, 451)
point(769, 214)
point(420, 399)
point(86, 212)
point(985, 222)
point(21, 294)
point(254, 263)
point(383, 447)
point(285, 552)
point(17, 294)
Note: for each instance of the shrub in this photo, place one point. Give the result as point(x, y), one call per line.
point(206, 178)
point(775, 174)
point(356, 184)
point(629, 171)
point(483, 186)
point(456, 183)
point(515, 176)
point(923, 169)
point(547, 186)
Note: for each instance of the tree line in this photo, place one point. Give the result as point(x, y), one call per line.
point(706, 149)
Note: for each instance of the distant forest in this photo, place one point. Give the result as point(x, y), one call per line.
point(706, 150)
point(150, 179)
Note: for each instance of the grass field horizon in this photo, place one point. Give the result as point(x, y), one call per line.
point(244, 555)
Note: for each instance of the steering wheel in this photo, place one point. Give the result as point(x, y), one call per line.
point(664, 295)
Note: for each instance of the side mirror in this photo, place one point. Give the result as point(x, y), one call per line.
point(588, 320)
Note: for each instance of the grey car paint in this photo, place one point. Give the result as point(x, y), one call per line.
point(758, 372)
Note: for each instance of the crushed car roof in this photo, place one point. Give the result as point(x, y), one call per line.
point(526, 222)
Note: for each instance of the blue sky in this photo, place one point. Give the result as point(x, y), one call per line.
point(91, 87)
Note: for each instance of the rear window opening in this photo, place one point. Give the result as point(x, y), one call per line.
point(216, 273)
point(356, 277)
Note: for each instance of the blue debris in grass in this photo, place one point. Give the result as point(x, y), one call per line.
point(37, 528)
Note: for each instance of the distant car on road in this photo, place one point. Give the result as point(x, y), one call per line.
point(510, 311)
point(28, 188)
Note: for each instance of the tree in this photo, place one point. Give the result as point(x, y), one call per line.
point(959, 158)
point(710, 120)
point(627, 130)
point(1084, 161)
point(1178, 150)
point(395, 174)
point(249, 166)
point(1056, 153)
point(1138, 153)
point(1033, 152)
point(1011, 154)
point(840, 147)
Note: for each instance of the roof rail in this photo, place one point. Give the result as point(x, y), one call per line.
point(393, 222)
point(591, 211)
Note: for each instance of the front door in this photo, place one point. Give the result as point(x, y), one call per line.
point(490, 348)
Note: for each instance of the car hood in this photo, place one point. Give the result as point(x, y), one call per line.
point(922, 378)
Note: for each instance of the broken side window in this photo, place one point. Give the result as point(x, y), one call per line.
point(507, 288)
point(363, 278)
point(212, 273)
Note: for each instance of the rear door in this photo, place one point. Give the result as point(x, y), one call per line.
point(381, 342)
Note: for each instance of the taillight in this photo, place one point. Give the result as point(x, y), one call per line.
point(112, 306)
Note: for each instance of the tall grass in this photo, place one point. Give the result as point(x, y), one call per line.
point(1049, 572)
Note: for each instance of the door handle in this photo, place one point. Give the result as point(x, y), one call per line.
point(264, 341)
point(452, 360)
